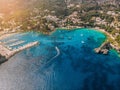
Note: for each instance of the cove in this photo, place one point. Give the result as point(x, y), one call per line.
point(64, 60)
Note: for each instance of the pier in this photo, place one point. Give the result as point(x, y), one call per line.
point(8, 53)
point(17, 43)
point(11, 41)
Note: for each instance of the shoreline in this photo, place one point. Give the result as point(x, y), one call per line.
point(114, 44)
point(109, 38)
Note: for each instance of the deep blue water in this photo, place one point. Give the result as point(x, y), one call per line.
point(64, 60)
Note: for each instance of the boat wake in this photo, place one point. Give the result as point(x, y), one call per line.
point(48, 63)
point(58, 53)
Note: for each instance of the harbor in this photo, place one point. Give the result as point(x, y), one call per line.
point(8, 53)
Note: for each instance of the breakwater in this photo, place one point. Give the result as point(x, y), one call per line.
point(7, 53)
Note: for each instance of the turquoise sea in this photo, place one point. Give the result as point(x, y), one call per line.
point(64, 60)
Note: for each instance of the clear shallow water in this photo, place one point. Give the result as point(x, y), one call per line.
point(73, 65)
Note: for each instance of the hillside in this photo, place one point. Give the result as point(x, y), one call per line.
point(46, 15)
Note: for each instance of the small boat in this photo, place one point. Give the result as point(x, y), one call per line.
point(81, 35)
point(69, 38)
point(82, 42)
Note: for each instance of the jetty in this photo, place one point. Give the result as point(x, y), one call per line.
point(17, 43)
point(11, 41)
point(8, 53)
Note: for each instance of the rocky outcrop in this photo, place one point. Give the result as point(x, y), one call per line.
point(104, 48)
point(103, 51)
point(2, 59)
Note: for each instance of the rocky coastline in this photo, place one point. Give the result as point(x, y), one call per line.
point(2, 59)
point(104, 48)
point(109, 44)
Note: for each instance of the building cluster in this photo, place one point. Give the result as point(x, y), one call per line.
point(47, 21)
